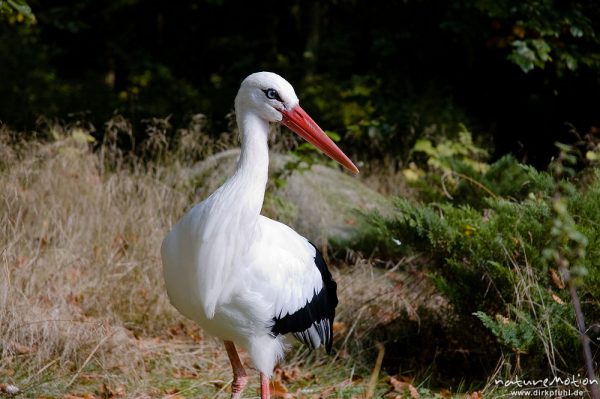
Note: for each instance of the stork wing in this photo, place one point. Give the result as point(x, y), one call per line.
point(295, 279)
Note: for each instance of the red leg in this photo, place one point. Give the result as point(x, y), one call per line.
point(240, 379)
point(264, 387)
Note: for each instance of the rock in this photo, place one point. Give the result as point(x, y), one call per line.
point(328, 202)
point(321, 203)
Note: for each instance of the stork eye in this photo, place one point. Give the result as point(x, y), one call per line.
point(272, 94)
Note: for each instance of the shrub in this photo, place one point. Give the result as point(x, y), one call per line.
point(502, 240)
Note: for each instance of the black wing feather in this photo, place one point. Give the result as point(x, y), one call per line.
point(316, 317)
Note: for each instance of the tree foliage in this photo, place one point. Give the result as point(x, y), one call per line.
point(16, 10)
point(382, 75)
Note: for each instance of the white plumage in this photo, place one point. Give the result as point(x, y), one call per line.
point(239, 274)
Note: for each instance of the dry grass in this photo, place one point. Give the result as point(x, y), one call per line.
point(79, 275)
point(82, 305)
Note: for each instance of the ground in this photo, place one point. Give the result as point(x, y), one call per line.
point(83, 309)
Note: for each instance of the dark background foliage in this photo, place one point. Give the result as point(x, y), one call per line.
point(520, 74)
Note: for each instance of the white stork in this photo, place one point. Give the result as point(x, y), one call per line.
point(243, 277)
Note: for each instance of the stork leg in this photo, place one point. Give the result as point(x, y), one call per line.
point(264, 387)
point(240, 379)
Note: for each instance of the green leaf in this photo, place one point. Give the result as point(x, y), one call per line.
point(333, 135)
point(575, 31)
point(81, 136)
point(542, 50)
point(21, 6)
point(522, 55)
point(424, 146)
point(570, 61)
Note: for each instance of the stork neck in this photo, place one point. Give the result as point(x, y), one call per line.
point(254, 157)
point(250, 178)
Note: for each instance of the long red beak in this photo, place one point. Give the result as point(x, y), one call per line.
point(298, 121)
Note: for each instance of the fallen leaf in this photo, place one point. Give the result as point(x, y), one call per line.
point(278, 390)
point(403, 386)
point(175, 330)
point(107, 392)
point(414, 394)
point(293, 374)
point(43, 241)
point(519, 31)
point(384, 315)
point(79, 396)
point(339, 328)
point(217, 383)
point(474, 395)
point(401, 379)
point(556, 279)
point(75, 299)
point(22, 349)
point(89, 377)
point(184, 373)
point(328, 391)
point(557, 299)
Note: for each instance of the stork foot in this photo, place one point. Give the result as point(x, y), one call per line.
point(240, 378)
point(238, 385)
point(264, 387)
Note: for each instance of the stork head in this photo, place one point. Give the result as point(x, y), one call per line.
point(272, 98)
